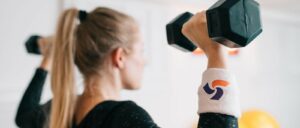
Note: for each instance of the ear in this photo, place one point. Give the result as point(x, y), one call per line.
point(118, 58)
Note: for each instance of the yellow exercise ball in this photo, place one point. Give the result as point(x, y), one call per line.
point(257, 119)
point(242, 124)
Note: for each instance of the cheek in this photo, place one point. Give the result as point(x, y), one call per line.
point(133, 73)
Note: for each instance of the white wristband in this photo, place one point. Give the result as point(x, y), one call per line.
point(219, 93)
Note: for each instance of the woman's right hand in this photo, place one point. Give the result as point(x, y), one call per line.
point(196, 31)
point(45, 46)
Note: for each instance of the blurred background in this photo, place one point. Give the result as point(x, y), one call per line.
point(267, 70)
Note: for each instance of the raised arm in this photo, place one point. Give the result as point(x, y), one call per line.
point(29, 109)
point(218, 93)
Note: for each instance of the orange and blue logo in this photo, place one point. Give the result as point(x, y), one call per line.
point(216, 88)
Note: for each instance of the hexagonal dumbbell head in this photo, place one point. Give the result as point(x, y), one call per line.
point(234, 23)
point(32, 45)
point(174, 35)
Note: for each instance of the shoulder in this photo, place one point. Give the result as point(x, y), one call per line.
point(132, 110)
point(129, 114)
point(130, 107)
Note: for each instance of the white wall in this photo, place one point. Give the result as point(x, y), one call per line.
point(271, 81)
point(19, 19)
point(267, 70)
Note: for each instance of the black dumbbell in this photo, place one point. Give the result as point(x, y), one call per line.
point(32, 45)
point(233, 23)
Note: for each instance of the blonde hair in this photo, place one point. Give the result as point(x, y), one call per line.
point(86, 45)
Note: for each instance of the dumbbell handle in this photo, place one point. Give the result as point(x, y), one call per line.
point(213, 27)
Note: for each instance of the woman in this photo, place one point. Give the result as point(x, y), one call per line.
point(106, 48)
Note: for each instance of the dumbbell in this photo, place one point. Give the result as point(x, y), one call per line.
point(32, 45)
point(233, 23)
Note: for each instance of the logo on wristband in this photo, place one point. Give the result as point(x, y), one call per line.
point(216, 87)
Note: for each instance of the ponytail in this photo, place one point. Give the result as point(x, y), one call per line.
point(62, 80)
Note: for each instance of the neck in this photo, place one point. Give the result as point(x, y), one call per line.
point(97, 89)
point(102, 88)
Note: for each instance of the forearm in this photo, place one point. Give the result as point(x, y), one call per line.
point(218, 98)
point(33, 92)
point(32, 95)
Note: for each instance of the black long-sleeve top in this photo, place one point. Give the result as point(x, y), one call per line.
point(107, 114)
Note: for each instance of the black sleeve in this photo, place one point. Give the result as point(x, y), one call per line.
point(215, 120)
point(131, 115)
point(30, 110)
